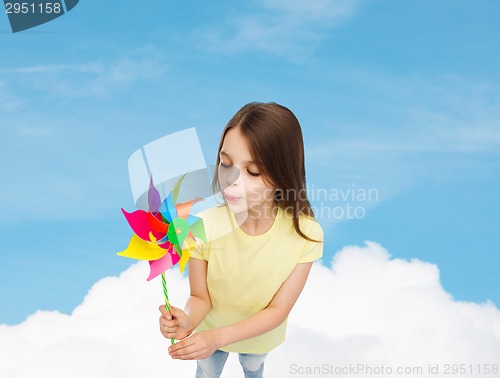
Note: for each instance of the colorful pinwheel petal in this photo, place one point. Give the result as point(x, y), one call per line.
point(165, 234)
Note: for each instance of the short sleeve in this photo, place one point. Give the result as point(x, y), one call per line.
point(200, 250)
point(312, 250)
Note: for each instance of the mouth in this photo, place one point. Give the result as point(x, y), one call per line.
point(231, 198)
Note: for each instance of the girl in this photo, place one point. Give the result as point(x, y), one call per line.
point(261, 244)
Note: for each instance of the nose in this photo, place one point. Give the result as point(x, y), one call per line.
point(229, 176)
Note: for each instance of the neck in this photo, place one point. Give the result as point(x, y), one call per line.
point(257, 222)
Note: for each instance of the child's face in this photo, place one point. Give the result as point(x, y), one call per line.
point(242, 184)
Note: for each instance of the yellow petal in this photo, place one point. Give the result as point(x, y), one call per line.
point(186, 253)
point(142, 250)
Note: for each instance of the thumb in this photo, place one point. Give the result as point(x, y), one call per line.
point(165, 313)
point(176, 312)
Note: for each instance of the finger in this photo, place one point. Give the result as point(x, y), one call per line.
point(186, 352)
point(197, 355)
point(171, 335)
point(165, 313)
point(176, 312)
point(192, 352)
point(181, 345)
point(162, 309)
point(166, 329)
point(168, 323)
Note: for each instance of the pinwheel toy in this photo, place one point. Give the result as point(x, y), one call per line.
point(165, 234)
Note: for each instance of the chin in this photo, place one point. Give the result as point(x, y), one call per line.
point(237, 207)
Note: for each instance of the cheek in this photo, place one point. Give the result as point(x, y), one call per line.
point(257, 190)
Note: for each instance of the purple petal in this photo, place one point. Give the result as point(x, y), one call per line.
point(154, 199)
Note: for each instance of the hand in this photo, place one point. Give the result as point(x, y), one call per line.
point(176, 325)
point(196, 347)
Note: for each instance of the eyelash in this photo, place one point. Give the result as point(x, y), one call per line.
point(249, 172)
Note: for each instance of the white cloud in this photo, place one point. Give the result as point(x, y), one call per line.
point(279, 27)
point(366, 309)
point(104, 77)
point(58, 68)
point(89, 79)
point(399, 307)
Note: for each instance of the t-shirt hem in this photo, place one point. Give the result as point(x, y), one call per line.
point(310, 259)
point(250, 350)
point(197, 257)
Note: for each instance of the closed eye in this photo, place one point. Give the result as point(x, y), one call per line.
point(254, 174)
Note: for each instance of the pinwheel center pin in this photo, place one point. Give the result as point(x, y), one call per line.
point(178, 231)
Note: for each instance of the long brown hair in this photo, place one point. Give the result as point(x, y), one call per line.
point(275, 141)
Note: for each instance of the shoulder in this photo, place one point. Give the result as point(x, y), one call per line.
point(311, 227)
point(216, 221)
point(307, 224)
point(213, 212)
point(305, 250)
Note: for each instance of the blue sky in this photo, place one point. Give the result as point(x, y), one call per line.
point(401, 97)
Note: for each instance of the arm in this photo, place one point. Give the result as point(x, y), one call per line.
point(197, 305)
point(199, 302)
point(273, 315)
point(203, 344)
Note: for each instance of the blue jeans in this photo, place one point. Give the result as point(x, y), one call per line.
point(211, 367)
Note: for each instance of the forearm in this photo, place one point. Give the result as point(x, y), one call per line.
point(197, 309)
point(256, 325)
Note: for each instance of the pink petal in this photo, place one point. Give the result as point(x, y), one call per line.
point(175, 256)
point(138, 221)
point(157, 267)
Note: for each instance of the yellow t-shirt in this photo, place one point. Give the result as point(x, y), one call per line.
point(244, 272)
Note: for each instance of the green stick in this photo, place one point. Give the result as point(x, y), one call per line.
point(167, 302)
